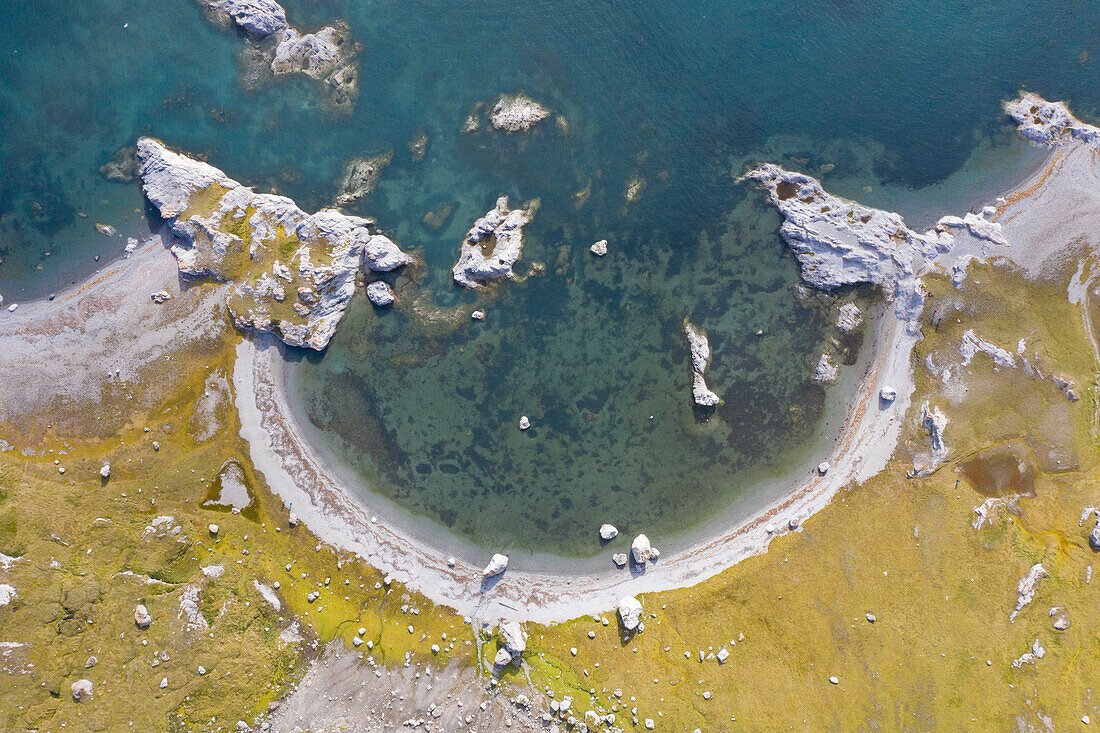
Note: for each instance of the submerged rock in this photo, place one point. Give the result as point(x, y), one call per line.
point(380, 293)
point(630, 612)
point(360, 177)
point(497, 565)
point(700, 356)
point(265, 245)
point(517, 113)
point(493, 245)
point(849, 318)
point(826, 370)
point(122, 167)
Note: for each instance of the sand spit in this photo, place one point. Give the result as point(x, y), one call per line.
point(298, 473)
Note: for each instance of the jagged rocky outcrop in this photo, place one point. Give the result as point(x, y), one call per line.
point(517, 113)
point(840, 242)
point(294, 273)
point(328, 55)
point(258, 18)
point(493, 245)
point(934, 422)
point(1049, 123)
point(700, 356)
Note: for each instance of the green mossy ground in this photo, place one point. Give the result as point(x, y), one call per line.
point(901, 549)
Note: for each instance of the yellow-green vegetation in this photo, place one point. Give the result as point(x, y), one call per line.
point(938, 654)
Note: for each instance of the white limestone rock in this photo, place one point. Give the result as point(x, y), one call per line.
point(82, 689)
point(619, 558)
point(630, 612)
point(641, 550)
point(971, 345)
point(258, 18)
point(493, 245)
point(327, 55)
point(1049, 123)
point(7, 594)
point(849, 318)
point(608, 532)
point(160, 297)
point(935, 422)
point(599, 248)
point(699, 347)
point(497, 565)
point(105, 470)
point(1025, 589)
point(142, 617)
point(524, 422)
point(380, 293)
point(887, 394)
point(517, 113)
point(332, 247)
point(826, 371)
point(514, 638)
point(503, 657)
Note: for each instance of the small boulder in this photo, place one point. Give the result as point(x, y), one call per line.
point(1094, 538)
point(380, 293)
point(723, 655)
point(142, 617)
point(524, 423)
point(82, 689)
point(91, 662)
point(641, 549)
point(514, 637)
point(823, 468)
point(503, 657)
point(213, 529)
point(497, 565)
point(160, 296)
point(105, 470)
point(888, 394)
point(478, 315)
point(599, 248)
point(630, 612)
point(293, 520)
point(619, 558)
point(608, 532)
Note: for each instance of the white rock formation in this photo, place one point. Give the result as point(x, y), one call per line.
point(503, 657)
point(887, 394)
point(105, 470)
point(141, 616)
point(826, 370)
point(524, 422)
point(497, 565)
point(630, 612)
point(160, 297)
point(517, 113)
point(82, 689)
point(619, 558)
point(641, 550)
point(599, 248)
point(203, 207)
point(839, 242)
point(380, 293)
point(514, 639)
point(608, 532)
point(327, 55)
point(934, 421)
point(492, 246)
point(259, 18)
point(1025, 589)
point(7, 594)
point(1049, 123)
point(700, 357)
point(971, 345)
point(849, 318)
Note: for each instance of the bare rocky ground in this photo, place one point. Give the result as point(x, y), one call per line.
point(344, 691)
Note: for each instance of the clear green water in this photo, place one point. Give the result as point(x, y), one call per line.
point(682, 93)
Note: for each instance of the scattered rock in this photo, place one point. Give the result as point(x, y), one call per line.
point(497, 565)
point(723, 655)
point(608, 532)
point(82, 689)
point(160, 296)
point(105, 470)
point(142, 617)
point(871, 618)
point(380, 293)
point(599, 248)
point(213, 528)
point(834, 680)
point(1061, 623)
point(934, 421)
point(630, 612)
point(1094, 538)
point(91, 662)
point(292, 520)
point(493, 245)
point(517, 113)
point(503, 657)
point(641, 549)
point(619, 558)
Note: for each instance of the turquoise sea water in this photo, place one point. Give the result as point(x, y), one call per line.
point(877, 98)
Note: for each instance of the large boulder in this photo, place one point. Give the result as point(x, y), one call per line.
point(142, 617)
point(497, 565)
point(82, 689)
point(630, 612)
point(641, 550)
point(608, 532)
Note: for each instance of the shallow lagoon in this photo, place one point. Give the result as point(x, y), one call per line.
point(679, 94)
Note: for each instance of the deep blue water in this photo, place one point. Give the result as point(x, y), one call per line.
point(869, 95)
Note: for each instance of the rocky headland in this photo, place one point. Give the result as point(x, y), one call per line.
point(293, 273)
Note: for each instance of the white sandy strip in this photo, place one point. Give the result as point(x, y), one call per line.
point(297, 473)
